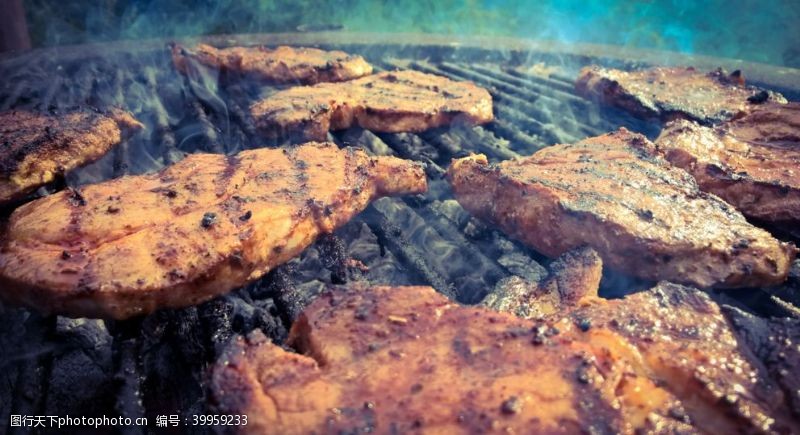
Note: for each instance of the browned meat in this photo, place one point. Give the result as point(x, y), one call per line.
point(292, 65)
point(38, 147)
point(574, 276)
point(670, 93)
point(753, 162)
point(775, 343)
point(407, 360)
point(643, 216)
point(195, 230)
point(400, 101)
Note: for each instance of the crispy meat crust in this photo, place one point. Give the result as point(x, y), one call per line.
point(670, 93)
point(407, 360)
point(752, 162)
point(280, 65)
point(197, 229)
point(38, 147)
point(642, 215)
point(399, 101)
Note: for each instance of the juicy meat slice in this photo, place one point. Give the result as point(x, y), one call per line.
point(408, 360)
point(197, 229)
point(670, 93)
point(753, 162)
point(399, 101)
point(774, 342)
point(38, 147)
point(291, 65)
point(574, 276)
point(645, 217)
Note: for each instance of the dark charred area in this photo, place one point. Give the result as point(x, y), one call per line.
point(158, 364)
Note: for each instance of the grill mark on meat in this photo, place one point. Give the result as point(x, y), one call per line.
point(387, 102)
point(640, 364)
point(203, 250)
point(645, 217)
point(36, 148)
point(280, 65)
point(751, 162)
point(670, 93)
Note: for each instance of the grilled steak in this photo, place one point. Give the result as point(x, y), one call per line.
point(670, 93)
point(573, 276)
point(38, 147)
point(643, 216)
point(407, 360)
point(292, 65)
point(774, 343)
point(400, 101)
point(752, 162)
point(197, 229)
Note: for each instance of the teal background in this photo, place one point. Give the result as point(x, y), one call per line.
point(761, 31)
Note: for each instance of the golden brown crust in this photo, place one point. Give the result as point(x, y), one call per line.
point(38, 147)
point(282, 65)
point(669, 93)
point(197, 229)
point(407, 360)
point(752, 162)
point(643, 216)
point(399, 101)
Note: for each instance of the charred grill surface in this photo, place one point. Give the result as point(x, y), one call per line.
point(161, 359)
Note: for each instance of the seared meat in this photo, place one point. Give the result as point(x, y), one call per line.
point(775, 343)
point(643, 216)
point(573, 276)
point(752, 162)
point(195, 230)
point(670, 93)
point(38, 147)
point(400, 101)
point(407, 360)
point(292, 65)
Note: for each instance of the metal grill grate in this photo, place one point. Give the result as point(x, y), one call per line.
point(156, 365)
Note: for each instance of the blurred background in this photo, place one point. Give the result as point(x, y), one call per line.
point(765, 31)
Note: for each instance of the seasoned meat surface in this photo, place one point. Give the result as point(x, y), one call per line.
point(752, 162)
point(645, 217)
point(287, 65)
point(775, 343)
point(399, 101)
point(407, 360)
point(573, 276)
point(197, 229)
point(670, 93)
point(37, 147)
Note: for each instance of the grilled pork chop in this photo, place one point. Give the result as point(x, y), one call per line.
point(38, 147)
point(408, 360)
point(399, 101)
point(643, 216)
point(670, 93)
point(292, 65)
point(752, 162)
point(197, 229)
point(573, 276)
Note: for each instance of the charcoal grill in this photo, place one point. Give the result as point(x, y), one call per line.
point(157, 365)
